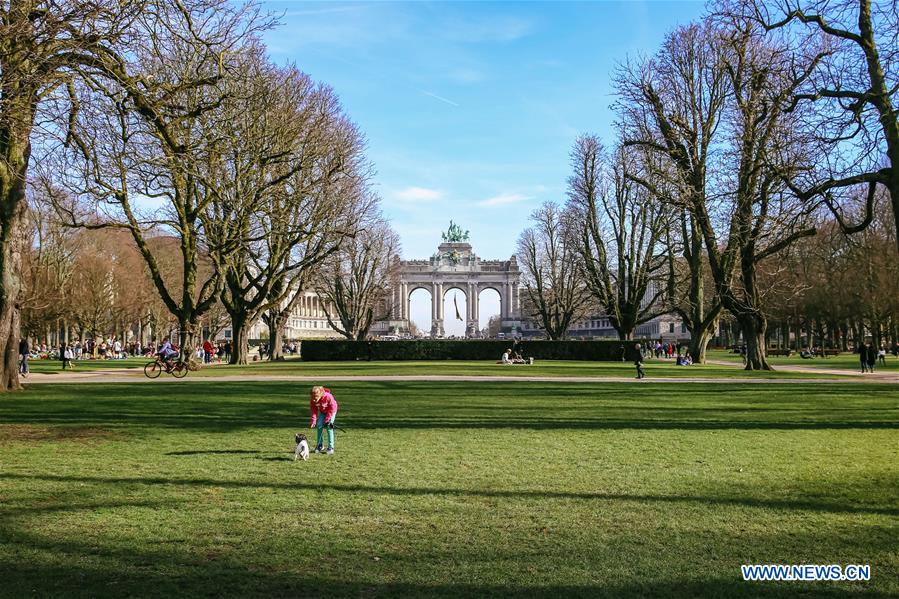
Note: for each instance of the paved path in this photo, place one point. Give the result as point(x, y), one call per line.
point(809, 369)
point(136, 376)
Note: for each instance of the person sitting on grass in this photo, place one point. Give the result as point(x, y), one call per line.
point(507, 357)
point(323, 410)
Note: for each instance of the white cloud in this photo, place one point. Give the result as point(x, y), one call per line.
point(504, 199)
point(466, 75)
point(418, 194)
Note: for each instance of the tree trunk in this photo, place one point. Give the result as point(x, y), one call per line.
point(754, 327)
point(9, 338)
point(626, 335)
point(239, 339)
point(10, 286)
point(275, 321)
point(189, 340)
point(699, 342)
point(276, 349)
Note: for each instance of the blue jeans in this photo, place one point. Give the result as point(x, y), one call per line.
point(24, 366)
point(320, 425)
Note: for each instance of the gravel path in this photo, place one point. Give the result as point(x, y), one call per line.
point(136, 376)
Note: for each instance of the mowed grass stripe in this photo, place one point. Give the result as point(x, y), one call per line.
point(447, 489)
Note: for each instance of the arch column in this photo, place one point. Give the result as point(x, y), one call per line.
point(471, 308)
point(404, 300)
point(504, 300)
point(437, 309)
point(516, 301)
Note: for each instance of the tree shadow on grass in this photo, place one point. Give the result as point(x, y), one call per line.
point(95, 570)
point(751, 502)
point(225, 407)
point(215, 452)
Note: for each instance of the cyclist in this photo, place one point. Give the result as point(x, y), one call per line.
point(167, 354)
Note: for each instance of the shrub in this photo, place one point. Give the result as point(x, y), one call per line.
point(448, 349)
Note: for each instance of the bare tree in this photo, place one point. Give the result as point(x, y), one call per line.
point(554, 288)
point(672, 106)
point(48, 265)
point(135, 136)
point(43, 45)
point(283, 182)
point(620, 240)
point(854, 93)
point(767, 147)
point(760, 145)
point(354, 282)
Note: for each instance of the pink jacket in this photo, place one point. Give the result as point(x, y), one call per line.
point(326, 404)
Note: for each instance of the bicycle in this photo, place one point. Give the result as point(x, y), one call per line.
point(155, 368)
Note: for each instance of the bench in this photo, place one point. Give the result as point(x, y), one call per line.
point(781, 352)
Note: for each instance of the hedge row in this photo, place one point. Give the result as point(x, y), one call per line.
point(448, 349)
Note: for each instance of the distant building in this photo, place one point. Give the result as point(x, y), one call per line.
point(307, 321)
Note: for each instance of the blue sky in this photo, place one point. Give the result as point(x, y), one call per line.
point(470, 109)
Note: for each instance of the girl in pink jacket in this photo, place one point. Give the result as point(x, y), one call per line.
point(323, 408)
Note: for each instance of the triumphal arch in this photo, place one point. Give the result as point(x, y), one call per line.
point(455, 266)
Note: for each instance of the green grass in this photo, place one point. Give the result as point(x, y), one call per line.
point(55, 366)
point(446, 489)
point(553, 368)
point(845, 361)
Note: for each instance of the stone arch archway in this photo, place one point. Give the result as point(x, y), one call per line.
point(456, 265)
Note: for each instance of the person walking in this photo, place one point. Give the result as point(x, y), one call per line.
point(23, 356)
point(882, 355)
point(871, 354)
point(862, 351)
point(67, 357)
point(208, 351)
point(638, 361)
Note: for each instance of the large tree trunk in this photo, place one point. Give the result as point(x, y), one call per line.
point(754, 327)
point(239, 339)
point(15, 154)
point(189, 340)
point(13, 206)
point(699, 342)
point(275, 321)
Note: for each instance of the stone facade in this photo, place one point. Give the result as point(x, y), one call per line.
point(456, 266)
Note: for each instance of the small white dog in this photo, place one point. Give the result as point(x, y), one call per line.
point(302, 450)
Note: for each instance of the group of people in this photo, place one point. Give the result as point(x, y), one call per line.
point(513, 357)
point(661, 350)
point(209, 352)
point(290, 348)
point(868, 356)
point(66, 353)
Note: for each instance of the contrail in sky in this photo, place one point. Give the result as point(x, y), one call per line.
point(441, 98)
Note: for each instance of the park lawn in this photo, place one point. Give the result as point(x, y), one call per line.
point(446, 489)
point(55, 366)
point(845, 361)
point(660, 368)
point(541, 368)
